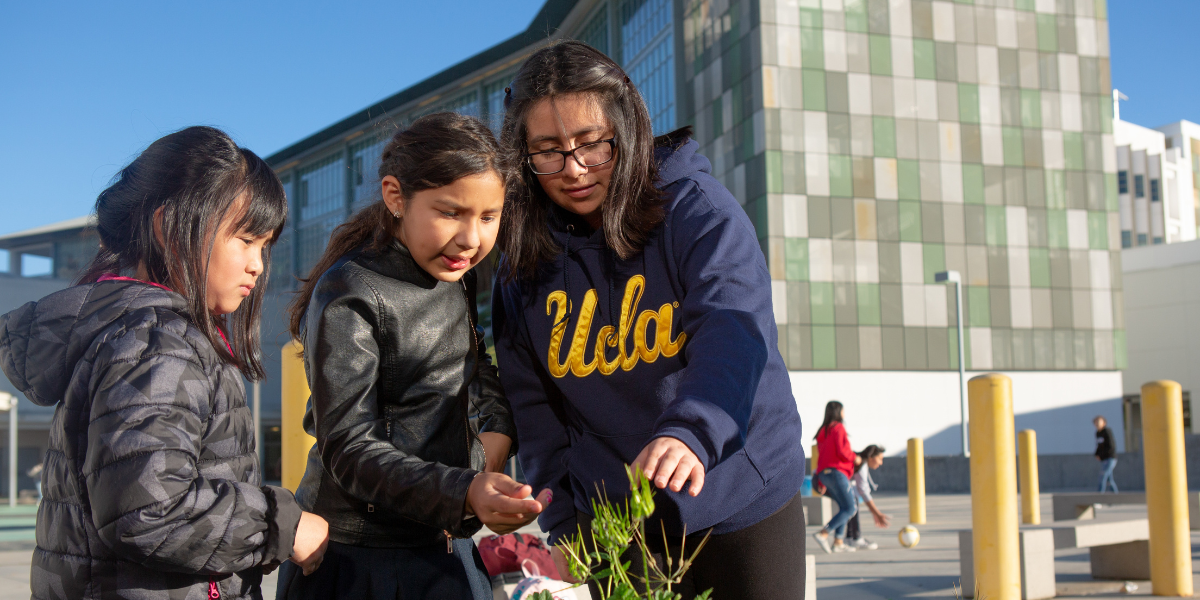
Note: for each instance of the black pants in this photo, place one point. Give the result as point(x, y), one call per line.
point(853, 530)
point(391, 574)
point(765, 560)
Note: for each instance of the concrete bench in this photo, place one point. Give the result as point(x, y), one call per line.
point(818, 510)
point(1118, 550)
point(1073, 506)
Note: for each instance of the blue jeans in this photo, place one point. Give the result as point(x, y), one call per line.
point(1106, 474)
point(837, 487)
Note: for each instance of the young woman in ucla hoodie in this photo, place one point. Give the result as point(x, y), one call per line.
point(633, 325)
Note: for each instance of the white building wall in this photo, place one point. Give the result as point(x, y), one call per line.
point(889, 407)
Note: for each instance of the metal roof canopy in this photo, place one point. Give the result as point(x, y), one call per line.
point(46, 234)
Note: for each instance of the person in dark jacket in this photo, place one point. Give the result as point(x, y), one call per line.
point(1106, 453)
point(151, 480)
point(634, 325)
point(391, 349)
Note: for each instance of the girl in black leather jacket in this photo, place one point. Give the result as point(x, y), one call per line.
point(387, 318)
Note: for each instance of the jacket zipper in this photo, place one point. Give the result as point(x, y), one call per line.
point(213, 591)
point(467, 408)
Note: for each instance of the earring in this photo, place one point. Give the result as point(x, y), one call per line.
point(396, 214)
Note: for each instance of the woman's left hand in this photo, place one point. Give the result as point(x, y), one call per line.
point(668, 461)
point(495, 448)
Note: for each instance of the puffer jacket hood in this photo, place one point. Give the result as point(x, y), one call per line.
point(41, 342)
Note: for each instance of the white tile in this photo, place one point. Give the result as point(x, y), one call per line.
point(1017, 227)
point(1101, 270)
point(1018, 267)
point(859, 86)
point(1102, 309)
point(835, 50)
point(866, 261)
point(1045, 6)
point(791, 126)
point(936, 314)
point(795, 215)
point(1077, 230)
point(1022, 307)
point(989, 105)
point(870, 348)
point(816, 173)
point(902, 56)
point(1006, 28)
point(887, 185)
point(952, 183)
point(950, 141)
point(779, 301)
point(943, 21)
point(913, 298)
point(816, 134)
point(787, 43)
point(1110, 153)
point(912, 263)
point(927, 99)
point(1068, 72)
point(820, 259)
point(992, 145)
point(988, 63)
point(981, 348)
point(904, 92)
point(1085, 36)
point(1072, 114)
point(900, 14)
point(770, 77)
point(1052, 149)
point(1051, 110)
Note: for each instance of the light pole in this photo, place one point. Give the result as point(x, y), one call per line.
point(954, 277)
point(9, 402)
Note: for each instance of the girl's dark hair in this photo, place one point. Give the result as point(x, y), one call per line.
point(633, 207)
point(871, 452)
point(435, 151)
point(188, 182)
point(833, 414)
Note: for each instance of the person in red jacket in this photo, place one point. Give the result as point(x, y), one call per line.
point(835, 465)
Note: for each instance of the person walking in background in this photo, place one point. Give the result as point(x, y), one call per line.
point(835, 465)
point(1106, 453)
point(871, 457)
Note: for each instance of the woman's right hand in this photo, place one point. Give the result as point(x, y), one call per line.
point(312, 538)
point(503, 504)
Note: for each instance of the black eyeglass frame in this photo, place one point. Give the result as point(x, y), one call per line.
point(612, 146)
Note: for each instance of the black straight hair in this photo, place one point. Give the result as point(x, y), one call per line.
point(871, 452)
point(634, 206)
point(188, 182)
point(833, 414)
point(435, 151)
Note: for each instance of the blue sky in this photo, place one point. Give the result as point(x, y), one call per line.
point(85, 86)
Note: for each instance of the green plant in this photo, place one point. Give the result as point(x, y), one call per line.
point(616, 528)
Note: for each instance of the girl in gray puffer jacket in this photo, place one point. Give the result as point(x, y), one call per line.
point(152, 484)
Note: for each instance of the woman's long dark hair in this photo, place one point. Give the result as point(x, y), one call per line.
point(633, 207)
point(833, 414)
point(871, 452)
point(188, 182)
point(436, 150)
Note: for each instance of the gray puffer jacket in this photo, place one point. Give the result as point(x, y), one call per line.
point(151, 481)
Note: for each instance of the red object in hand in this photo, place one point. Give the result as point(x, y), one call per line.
point(505, 553)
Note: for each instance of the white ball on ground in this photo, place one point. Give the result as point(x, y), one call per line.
point(909, 536)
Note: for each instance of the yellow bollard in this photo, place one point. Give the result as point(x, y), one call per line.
point(916, 481)
point(1166, 489)
point(1031, 507)
point(813, 465)
point(295, 442)
point(994, 488)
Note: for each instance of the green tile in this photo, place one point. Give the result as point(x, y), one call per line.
point(910, 221)
point(881, 55)
point(1026, 5)
point(1102, 13)
point(824, 347)
point(909, 179)
point(821, 296)
point(995, 226)
point(868, 304)
point(1119, 355)
point(1110, 188)
point(1039, 267)
point(1106, 116)
point(1047, 32)
point(1073, 150)
point(935, 261)
point(1014, 146)
point(883, 130)
point(924, 59)
point(811, 17)
point(841, 176)
point(856, 15)
point(1031, 109)
point(813, 82)
point(812, 48)
point(979, 312)
point(795, 252)
point(1056, 228)
point(1097, 230)
point(968, 103)
point(1056, 189)
point(972, 183)
point(774, 172)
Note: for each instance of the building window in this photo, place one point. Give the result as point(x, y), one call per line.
point(494, 96)
point(648, 55)
point(1141, 239)
point(364, 172)
point(321, 202)
point(595, 33)
point(1126, 239)
point(1139, 186)
point(1158, 240)
point(1122, 182)
point(1154, 191)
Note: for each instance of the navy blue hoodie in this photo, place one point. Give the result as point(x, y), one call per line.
point(679, 340)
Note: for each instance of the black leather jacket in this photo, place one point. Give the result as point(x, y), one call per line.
point(391, 354)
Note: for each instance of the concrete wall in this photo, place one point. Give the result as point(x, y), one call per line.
point(889, 407)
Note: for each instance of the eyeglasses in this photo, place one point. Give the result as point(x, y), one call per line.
point(587, 155)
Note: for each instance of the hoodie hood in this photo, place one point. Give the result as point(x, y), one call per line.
point(41, 342)
point(680, 161)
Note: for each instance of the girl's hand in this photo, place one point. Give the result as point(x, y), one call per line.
point(668, 461)
point(882, 521)
point(495, 448)
point(312, 538)
point(563, 566)
point(503, 504)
